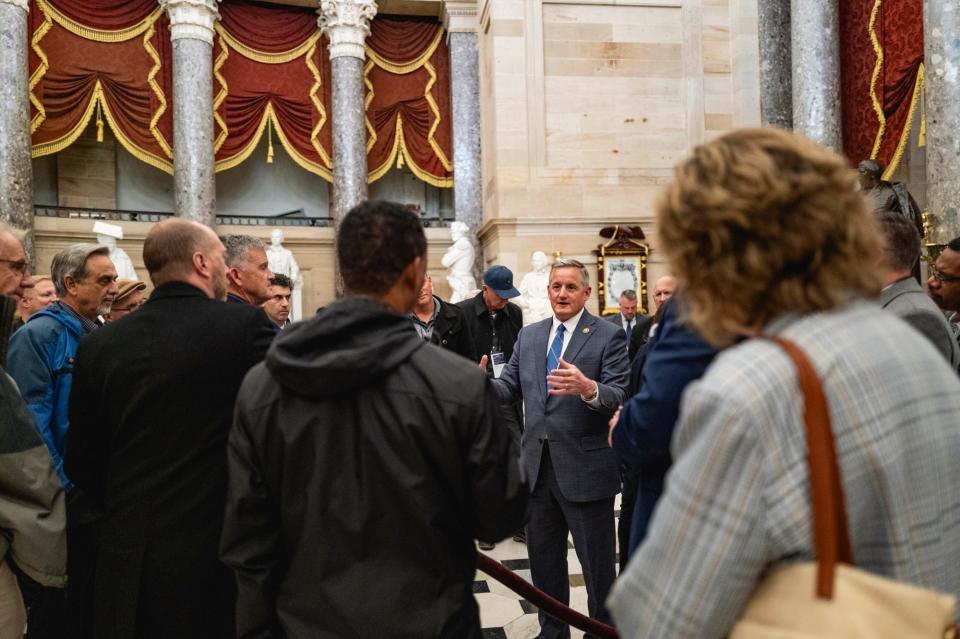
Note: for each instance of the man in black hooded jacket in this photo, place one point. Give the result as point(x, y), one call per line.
point(364, 462)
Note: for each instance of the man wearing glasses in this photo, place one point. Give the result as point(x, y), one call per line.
point(944, 280)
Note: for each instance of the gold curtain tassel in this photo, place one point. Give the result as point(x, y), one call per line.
point(399, 159)
point(269, 141)
point(99, 122)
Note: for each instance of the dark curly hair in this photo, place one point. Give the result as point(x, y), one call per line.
point(375, 243)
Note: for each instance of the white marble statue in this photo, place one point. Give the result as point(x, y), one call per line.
point(534, 300)
point(107, 235)
point(458, 261)
point(281, 260)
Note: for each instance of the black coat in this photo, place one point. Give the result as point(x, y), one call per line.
point(508, 323)
point(363, 464)
point(451, 332)
point(150, 410)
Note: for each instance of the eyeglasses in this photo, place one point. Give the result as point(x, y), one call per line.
point(17, 266)
point(132, 307)
point(943, 277)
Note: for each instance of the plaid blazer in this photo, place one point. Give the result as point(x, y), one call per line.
point(737, 498)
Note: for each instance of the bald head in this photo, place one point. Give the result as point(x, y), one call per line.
point(178, 250)
point(663, 288)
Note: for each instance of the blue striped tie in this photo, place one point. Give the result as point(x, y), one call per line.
point(553, 356)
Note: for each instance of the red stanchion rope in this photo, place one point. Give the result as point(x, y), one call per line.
point(542, 600)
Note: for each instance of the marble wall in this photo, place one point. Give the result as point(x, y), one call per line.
point(586, 106)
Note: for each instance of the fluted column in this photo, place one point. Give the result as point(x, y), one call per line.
point(16, 172)
point(776, 100)
point(191, 29)
point(347, 25)
point(460, 21)
point(941, 26)
point(815, 49)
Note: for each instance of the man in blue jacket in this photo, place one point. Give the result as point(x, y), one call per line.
point(41, 353)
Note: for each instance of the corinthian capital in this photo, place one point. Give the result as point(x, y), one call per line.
point(23, 4)
point(191, 18)
point(347, 25)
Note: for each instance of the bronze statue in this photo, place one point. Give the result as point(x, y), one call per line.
point(891, 196)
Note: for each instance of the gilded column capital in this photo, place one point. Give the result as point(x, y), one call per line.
point(347, 25)
point(23, 4)
point(191, 18)
point(460, 16)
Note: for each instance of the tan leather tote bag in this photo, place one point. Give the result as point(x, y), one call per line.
point(832, 598)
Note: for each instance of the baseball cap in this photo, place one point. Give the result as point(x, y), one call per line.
point(500, 279)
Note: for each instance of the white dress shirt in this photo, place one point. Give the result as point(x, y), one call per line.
point(569, 327)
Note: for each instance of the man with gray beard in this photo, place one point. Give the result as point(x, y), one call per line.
point(41, 353)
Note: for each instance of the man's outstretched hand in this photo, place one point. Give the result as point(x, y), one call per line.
point(483, 362)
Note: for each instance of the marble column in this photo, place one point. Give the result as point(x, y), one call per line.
point(815, 53)
point(191, 29)
point(347, 25)
point(460, 22)
point(16, 170)
point(941, 26)
point(776, 101)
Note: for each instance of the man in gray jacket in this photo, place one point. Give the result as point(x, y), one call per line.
point(903, 296)
point(32, 507)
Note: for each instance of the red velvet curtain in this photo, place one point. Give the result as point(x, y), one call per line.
point(271, 76)
point(408, 99)
point(111, 61)
point(880, 93)
point(112, 67)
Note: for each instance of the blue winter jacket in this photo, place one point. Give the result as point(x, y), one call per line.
point(40, 359)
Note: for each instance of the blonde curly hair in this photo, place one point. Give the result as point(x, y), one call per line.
point(759, 223)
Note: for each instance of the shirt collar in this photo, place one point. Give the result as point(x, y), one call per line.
point(433, 318)
point(87, 324)
point(571, 324)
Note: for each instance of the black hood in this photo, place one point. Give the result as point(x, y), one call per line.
point(348, 345)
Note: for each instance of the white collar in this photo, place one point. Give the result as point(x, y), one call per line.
point(571, 324)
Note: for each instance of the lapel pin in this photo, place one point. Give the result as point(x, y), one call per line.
point(586, 330)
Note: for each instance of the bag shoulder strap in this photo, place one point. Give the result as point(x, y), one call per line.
point(831, 536)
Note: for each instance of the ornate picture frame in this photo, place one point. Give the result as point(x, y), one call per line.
point(621, 265)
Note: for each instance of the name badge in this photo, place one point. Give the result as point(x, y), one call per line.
point(498, 360)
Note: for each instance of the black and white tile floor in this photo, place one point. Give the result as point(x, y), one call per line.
point(503, 614)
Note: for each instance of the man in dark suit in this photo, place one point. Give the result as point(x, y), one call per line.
point(571, 372)
point(150, 409)
point(627, 317)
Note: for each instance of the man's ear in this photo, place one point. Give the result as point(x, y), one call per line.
point(233, 274)
point(70, 284)
point(416, 273)
point(200, 264)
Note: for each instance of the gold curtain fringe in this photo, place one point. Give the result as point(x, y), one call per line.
point(221, 96)
point(99, 35)
point(157, 91)
point(877, 68)
point(264, 56)
point(427, 93)
point(318, 105)
point(371, 132)
point(269, 115)
point(40, 71)
point(908, 125)
point(97, 101)
point(400, 154)
point(411, 66)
